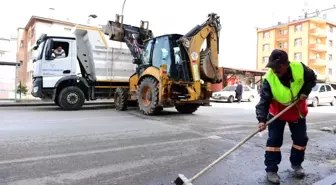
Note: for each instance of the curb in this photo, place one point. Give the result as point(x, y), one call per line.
point(330, 180)
point(47, 104)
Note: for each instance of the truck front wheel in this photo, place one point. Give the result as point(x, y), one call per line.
point(71, 98)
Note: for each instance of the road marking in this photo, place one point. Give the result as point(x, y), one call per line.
point(48, 157)
point(232, 132)
point(215, 137)
point(94, 172)
point(66, 119)
point(236, 127)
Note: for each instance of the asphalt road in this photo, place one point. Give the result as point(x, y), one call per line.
point(99, 145)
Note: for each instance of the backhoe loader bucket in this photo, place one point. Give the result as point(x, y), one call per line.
point(114, 30)
point(117, 31)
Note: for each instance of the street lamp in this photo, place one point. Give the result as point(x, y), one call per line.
point(122, 12)
point(93, 16)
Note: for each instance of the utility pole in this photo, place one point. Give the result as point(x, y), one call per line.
point(317, 12)
point(122, 19)
point(306, 9)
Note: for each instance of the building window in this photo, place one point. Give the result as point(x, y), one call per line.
point(283, 32)
point(318, 41)
point(298, 27)
point(330, 71)
point(318, 56)
point(298, 42)
point(265, 59)
point(330, 43)
point(266, 47)
point(282, 44)
point(330, 29)
point(297, 56)
point(33, 32)
point(330, 57)
point(21, 44)
point(266, 35)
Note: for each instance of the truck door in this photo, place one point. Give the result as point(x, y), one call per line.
point(57, 61)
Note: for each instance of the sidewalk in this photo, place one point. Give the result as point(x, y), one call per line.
point(20, 103)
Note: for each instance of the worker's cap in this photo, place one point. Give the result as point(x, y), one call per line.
point(276, 58)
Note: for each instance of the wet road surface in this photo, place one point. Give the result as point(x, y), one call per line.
point(99, 145)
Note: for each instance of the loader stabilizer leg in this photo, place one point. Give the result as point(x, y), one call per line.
point(182, 180)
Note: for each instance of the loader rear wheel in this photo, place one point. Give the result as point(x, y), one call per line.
point(71, 98)
point(148, 96)
point(120, 99)
point(187, 108)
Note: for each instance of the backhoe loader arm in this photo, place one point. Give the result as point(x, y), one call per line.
point(204, 64)
point(133, 36)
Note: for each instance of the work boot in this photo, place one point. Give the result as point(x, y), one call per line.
point(298, 171)
point(273, 177)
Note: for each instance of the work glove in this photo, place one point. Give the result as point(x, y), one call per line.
point(261, 126)
point(303, 97)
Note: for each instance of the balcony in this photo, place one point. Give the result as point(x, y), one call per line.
point(318, 62)
point(318, 32)
point(318, 47)
point(280, 37)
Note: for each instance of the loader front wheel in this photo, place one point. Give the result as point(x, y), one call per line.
point(148, 96)
point(187, 108)
point(120, 99)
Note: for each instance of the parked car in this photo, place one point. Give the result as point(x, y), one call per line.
point(322, 93)
point(228, 93)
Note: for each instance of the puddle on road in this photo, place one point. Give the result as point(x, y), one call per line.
point(332, 161)
point(331, 130)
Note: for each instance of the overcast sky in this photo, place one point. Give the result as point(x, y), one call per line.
point(238, 18)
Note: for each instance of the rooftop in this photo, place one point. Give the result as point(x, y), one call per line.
point(297, 21)
point(32, 18)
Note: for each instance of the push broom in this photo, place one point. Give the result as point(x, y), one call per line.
point(182, 180)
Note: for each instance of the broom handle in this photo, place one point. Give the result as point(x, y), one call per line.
point(241, 143)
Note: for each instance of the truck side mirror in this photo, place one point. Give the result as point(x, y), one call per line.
point(49, 51)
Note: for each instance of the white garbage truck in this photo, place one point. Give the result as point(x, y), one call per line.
point(86, 66)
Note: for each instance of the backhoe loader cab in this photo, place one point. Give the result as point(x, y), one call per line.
point(171, 69)
point(164, 50)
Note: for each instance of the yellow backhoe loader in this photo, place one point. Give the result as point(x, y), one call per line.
point(172, 70)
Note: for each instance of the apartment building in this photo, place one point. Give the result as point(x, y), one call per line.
point(27, 37)
point(7, 73)
point(311, 41)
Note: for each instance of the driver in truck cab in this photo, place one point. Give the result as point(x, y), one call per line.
point(58, 52)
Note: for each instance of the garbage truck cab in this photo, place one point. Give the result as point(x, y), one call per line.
point(70, 70)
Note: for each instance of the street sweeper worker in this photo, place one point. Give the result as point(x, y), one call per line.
point(284, 82)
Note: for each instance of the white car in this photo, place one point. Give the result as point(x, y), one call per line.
point(228, 93)
point(322, 93)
